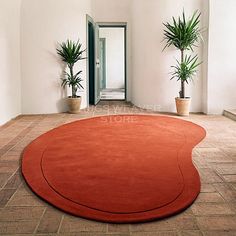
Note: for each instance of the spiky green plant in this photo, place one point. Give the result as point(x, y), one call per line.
point(185, 70)
point(70, 53)
point(184, 34)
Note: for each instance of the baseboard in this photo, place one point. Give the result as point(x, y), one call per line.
point(231, 114)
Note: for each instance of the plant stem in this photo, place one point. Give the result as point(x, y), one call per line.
point(72, 76)
point(182, 92)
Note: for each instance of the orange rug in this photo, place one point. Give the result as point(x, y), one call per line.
point(121, 169)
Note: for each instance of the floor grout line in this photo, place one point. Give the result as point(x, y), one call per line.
point(60, 225)
point(10, 178)
point(13, 195)
point(40, 219)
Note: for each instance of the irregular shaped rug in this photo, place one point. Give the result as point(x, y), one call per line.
point(121, 169)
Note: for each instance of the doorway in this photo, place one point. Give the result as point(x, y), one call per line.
point(107, 69)
point(112, 61)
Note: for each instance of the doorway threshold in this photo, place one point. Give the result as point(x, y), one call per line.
point(113, 94)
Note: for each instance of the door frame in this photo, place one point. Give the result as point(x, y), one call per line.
point(89, 20)
point(119, 25)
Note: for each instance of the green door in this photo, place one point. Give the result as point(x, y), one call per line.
point(102, 45)
point(97, 65)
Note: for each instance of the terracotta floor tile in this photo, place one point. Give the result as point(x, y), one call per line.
point(209, 197)
point(9, 157)
point(50, 221)
point(226, 169)
point(5, 196)
point(207, 188)
point(227, 191)
point(219, 233)
point(229, 178)
point(163, 233)
point(26, 200)
point(117, 228)
point(17, 227)
point(4, 178)
point(191, 233)
point(14, 182)
point(209, 176)
point(214, 155)
point(21, 213)
point(8, 167)
point(172, 223)
point(75, 225)
point(212, 209)
point(229, 151)
point(219, 223)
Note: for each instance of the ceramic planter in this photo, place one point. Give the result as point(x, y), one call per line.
point(182, 106)
point(74, 104)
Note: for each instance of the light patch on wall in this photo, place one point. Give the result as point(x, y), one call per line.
point(10, 94)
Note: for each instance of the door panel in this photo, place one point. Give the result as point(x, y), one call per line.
point(91, 59)
point(97, 65)
point(102, 63)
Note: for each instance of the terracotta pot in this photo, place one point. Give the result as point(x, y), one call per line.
point(182, 106)
point(74, 105)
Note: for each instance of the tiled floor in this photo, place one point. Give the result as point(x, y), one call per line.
point(213, 214)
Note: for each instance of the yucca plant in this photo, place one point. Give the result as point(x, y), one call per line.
point(70, 53)
point(184, 34)
point(186, 69)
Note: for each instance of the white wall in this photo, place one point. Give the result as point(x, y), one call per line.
point(44, 24)
point(10, 92)
point(221, 56)
point(115, 55)
point(148, 67)
point(205, 34)
point(151, 85)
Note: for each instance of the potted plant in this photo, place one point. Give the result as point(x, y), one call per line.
point(70, 53)
point(184, 34)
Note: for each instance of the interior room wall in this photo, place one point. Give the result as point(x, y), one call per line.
point(115, 70)
point(44, 25)
point(10, 93)
point(148, 67)
point(152, 87)
point(221, 56)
